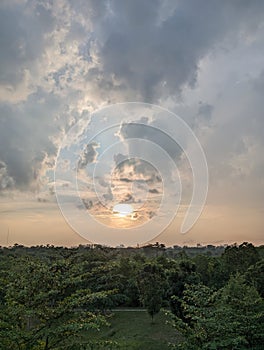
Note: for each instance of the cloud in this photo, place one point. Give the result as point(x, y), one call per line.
point(60, 60)
point(119, 158)
point(205, 111)
point(109, 195)
point(157, 53)
point(87, 203)
point(153, 191)
point(24, 34)
point(128, 198)
point(125, 179)
point(150, 132)
point(6, 182)
point(235, 142)
point(26, 145)
point(88, 155)
point(135, 170)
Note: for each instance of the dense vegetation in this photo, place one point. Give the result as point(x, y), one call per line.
point(66, 298)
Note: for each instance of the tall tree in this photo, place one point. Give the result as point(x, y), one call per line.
point(152, 285)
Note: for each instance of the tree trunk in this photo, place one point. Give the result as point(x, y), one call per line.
point(47, 343)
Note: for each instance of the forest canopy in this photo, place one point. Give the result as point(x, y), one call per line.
point(52, 297)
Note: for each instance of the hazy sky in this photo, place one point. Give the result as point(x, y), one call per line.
point(61, 60)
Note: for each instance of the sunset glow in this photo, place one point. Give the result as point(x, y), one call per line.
point(123, 210)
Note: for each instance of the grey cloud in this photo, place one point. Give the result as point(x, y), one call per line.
point(128, 198)
point(133, 48)
point(87, 203)
point(22, 40)
point(109, 195)
point(136, 170)
point(205, 111)
point(153, 191)
point(102, 182)
point(151, 214)
point(125, 179)
point(119, 158)
point(153, 134)
point(26, 131)
point(30, 130)
point(258, 84)
point(88, 155)
point(235, 148)
point(89, 9)
point(6, 181)
point(203, 117)
point(158, 56)
point(42, 200)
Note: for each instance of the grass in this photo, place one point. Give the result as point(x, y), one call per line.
point(132, 330)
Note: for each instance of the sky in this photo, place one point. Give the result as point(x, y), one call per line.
point(131, 102)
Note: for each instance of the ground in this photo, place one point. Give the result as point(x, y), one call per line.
point(133, 330)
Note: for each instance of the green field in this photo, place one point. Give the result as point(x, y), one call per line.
point(133, 330)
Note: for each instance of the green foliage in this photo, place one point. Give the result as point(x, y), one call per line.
point(152, 286)
point(44, 306)
point(239, 258)
point(205, 267)
point(180, 273)
point(231, 318)
point(255, 276)
point(56, 297)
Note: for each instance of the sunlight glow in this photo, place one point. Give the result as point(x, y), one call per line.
point(123, 210)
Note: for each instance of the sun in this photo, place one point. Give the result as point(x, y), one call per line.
point(123, 210)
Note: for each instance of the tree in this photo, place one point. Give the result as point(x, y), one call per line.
point(244, 310)
point(151, 284)
point(239, 258)
point(204, 267)
point(43, 307)
point(231, 318)
point(180, 274)
point(255, 276)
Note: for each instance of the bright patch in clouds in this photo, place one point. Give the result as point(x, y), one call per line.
point(123, 210)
